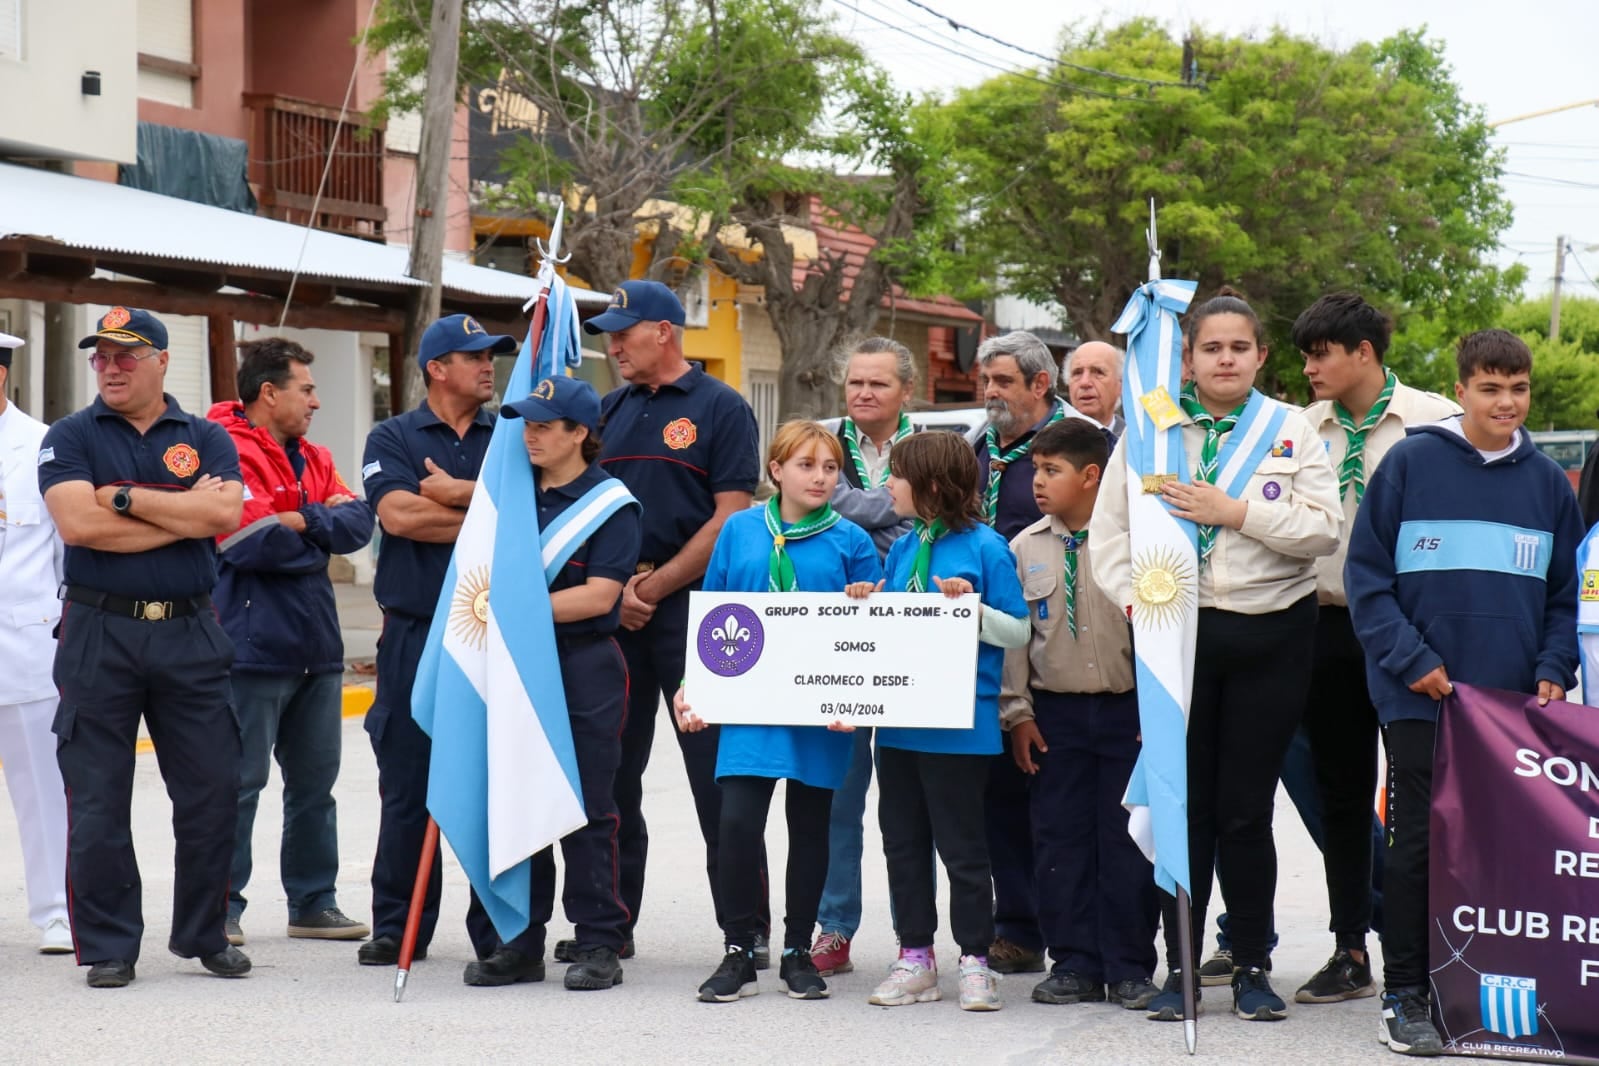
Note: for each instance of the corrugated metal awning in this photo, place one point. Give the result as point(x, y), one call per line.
point(97, 216)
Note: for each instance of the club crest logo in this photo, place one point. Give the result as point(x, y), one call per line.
point(680, 434)
point(545, 390)
point(1510, 1005)
point(1271, 490)
point(619, 300)
point(730, 640)
point(1283, 449)
point(469, 325)
point(115, 318)
point(1590, 587)
point(182, 460)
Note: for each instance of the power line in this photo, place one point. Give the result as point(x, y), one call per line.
point(1550, 180)
point(1571, 253)
point(1029, 75)
point(1052, 60)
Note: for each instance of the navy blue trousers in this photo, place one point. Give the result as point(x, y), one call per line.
point(1097, 906)
point(655, 656)
point(595, 679)
point(1010, 852)
point(111, 670)
point(403, 752)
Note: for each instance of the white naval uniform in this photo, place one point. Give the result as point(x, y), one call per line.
point(30, 575)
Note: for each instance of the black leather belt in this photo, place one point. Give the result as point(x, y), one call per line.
point(144, 610)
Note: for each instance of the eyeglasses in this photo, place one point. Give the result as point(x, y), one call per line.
point(124, 359)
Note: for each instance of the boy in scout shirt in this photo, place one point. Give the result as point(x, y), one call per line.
point(1068, 703)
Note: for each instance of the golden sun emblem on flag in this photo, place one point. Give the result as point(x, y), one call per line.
point(1163, 587)
point(469, 609)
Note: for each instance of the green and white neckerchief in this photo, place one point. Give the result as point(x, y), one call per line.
point(852, 445)
point(1353, 470)
point(921, 570)
point(998, 461)
point(1072, 542)
point(780, 568)
point(1214, 428)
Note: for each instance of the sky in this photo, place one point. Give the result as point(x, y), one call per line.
point(1511, 60)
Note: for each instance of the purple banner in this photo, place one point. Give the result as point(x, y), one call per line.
point(1515, 878)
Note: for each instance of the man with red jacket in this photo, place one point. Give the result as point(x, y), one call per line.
point(276, 601)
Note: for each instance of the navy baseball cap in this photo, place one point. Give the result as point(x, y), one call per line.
point(559, 397)
point(459, 333)
point(634, 302)
point(129, 326)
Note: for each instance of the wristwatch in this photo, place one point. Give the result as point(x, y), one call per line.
point(122, 501)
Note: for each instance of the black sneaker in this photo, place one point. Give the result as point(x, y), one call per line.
point(798, 972)
point(1217, 970)
point(1167, 1005)
point(1342, 978)
point(1253, 997)
point(112, 973)
point(385, 951)
point(566, 950)
point(1134, 993)
point(328, 924)
point(733, 979)
point(763, 952)
point(1406, 1023)
point(592, 969)
point(506, 966)
point(1064, 986)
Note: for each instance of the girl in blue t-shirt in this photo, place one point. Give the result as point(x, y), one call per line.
point(931, 781)
point(796, 543)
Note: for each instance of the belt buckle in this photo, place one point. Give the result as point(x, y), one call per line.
point(644, 568)
point(153, 610)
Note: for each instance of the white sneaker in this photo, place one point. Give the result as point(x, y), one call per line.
point(57, 938)
point(979, 985)
point(908, 982)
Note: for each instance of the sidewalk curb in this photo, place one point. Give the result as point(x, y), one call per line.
point(358, 700)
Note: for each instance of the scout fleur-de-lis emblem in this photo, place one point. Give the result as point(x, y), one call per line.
point(731, 634)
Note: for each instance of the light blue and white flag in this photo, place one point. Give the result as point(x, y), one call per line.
point(1165, 576)
point(503, 783)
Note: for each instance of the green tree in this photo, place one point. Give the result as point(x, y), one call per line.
point(634, 97)
point(1565, 372)
point(1287, 169)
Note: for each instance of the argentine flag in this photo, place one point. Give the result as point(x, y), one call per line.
point(503, 782)
point(1165, 577)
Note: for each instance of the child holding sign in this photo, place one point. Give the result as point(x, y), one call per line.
point(796, 543)
point(1264, 498)
point(932, 780)
point(1069, 705)
point(1462, 567)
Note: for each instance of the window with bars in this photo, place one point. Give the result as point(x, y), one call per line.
point(763, 398)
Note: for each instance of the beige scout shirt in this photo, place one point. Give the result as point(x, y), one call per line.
point(1407, 407)
point(1293, 518)
point(1099, 660)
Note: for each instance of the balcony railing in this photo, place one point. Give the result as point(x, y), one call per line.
point(290, 146)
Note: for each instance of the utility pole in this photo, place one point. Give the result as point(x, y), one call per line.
point(1554, 297)
point(432, 195)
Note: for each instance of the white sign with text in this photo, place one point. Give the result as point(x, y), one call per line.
point(808, 658)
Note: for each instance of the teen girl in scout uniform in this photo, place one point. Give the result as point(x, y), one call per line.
point(796, 543)
point(1265, 499)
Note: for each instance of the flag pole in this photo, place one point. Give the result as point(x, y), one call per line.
point(430, 839)
point(1185, 917)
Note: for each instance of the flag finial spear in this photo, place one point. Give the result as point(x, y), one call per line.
point(1154, 244)
point(549, 249)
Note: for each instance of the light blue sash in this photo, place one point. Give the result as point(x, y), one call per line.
point(1251, 438)
point(577, 523)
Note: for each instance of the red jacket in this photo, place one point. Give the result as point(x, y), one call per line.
point(273, 594)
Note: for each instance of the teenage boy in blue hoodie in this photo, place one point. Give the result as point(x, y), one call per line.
point(1462, 567)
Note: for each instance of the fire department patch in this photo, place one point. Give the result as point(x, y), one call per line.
point(182, 460)
point(115, 318)
point(680, 434)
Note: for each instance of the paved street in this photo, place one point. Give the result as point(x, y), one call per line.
point(309, 1002)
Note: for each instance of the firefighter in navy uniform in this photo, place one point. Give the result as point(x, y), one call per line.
point(138, 489)
point(419, 471)
point(686, 446)
point(560, 430)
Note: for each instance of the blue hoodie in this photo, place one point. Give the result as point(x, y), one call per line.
point(1465, 564)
